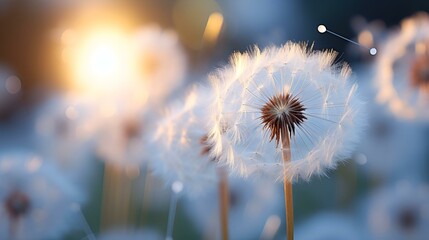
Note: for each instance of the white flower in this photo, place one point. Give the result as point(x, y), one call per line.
point(288, 88)
point(251, 204)
point(36, 201)
point(162, 61)
point(329, 225)
point(402, 77)
point(399, 212)
point(182, 150)
point(65, 128)
point(128, 234)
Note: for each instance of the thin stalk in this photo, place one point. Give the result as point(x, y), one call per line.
point(286, 156)
point(147, 189)
point(176, 189)
point(223, 202)
point(86, 228)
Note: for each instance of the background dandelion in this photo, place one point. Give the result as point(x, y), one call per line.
point(403, 87)
point(32, 193)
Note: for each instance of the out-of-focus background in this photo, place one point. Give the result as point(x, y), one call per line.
point(52, 51)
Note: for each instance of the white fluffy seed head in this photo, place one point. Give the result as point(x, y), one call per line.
point(401, 77)
point(181, 151)
point(35, 198)
point(162, 61)
point(400, 211)
point(333, 112)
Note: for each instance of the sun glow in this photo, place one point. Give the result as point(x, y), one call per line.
point(104, 60)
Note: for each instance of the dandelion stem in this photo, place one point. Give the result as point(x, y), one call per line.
point(223, 202)
point(176, 189)
point(85, 226)
point(287, 184)
point(147, 189)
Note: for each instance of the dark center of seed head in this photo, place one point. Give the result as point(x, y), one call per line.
point(17, 204)
point(420, 73)
point(206, 147)
point(282, 112)
point(407, 219)
point(131, 129)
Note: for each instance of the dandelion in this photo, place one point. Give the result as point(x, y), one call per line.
point(36, 201)
point(399, 212)
point(162, 61)
point(285, 113)
point(329, 225)
point(124, 128)
point(251, 203)
point(392, 149)
point(402, 69)
point(64, 127)
point(182, 150)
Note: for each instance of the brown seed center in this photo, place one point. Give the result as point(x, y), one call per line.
point(408, 219)
point(282, 112)
point(420, 73)
point(17, 204)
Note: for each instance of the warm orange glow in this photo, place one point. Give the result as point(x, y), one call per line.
point(104, 60)
point(213, 28)
point(365, 38)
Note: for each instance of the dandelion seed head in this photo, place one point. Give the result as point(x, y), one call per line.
point(162, 62)
point(17, 204)
point(399, 211)
point(282, 112)
point(181, 150)
point(402, 74)
point(35, 202)
point(292, 88)
point(420, 73)
point(65, 127)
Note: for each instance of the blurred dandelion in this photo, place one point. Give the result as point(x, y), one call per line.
point(161, 60)
point(65, 126)
point(123, 134)
point(183, 152)
point(181, 146)
point(291, 96)
point(392, 149)
point(399, 212)
point(36, 200)
point(402, 69)
point(251, 203)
